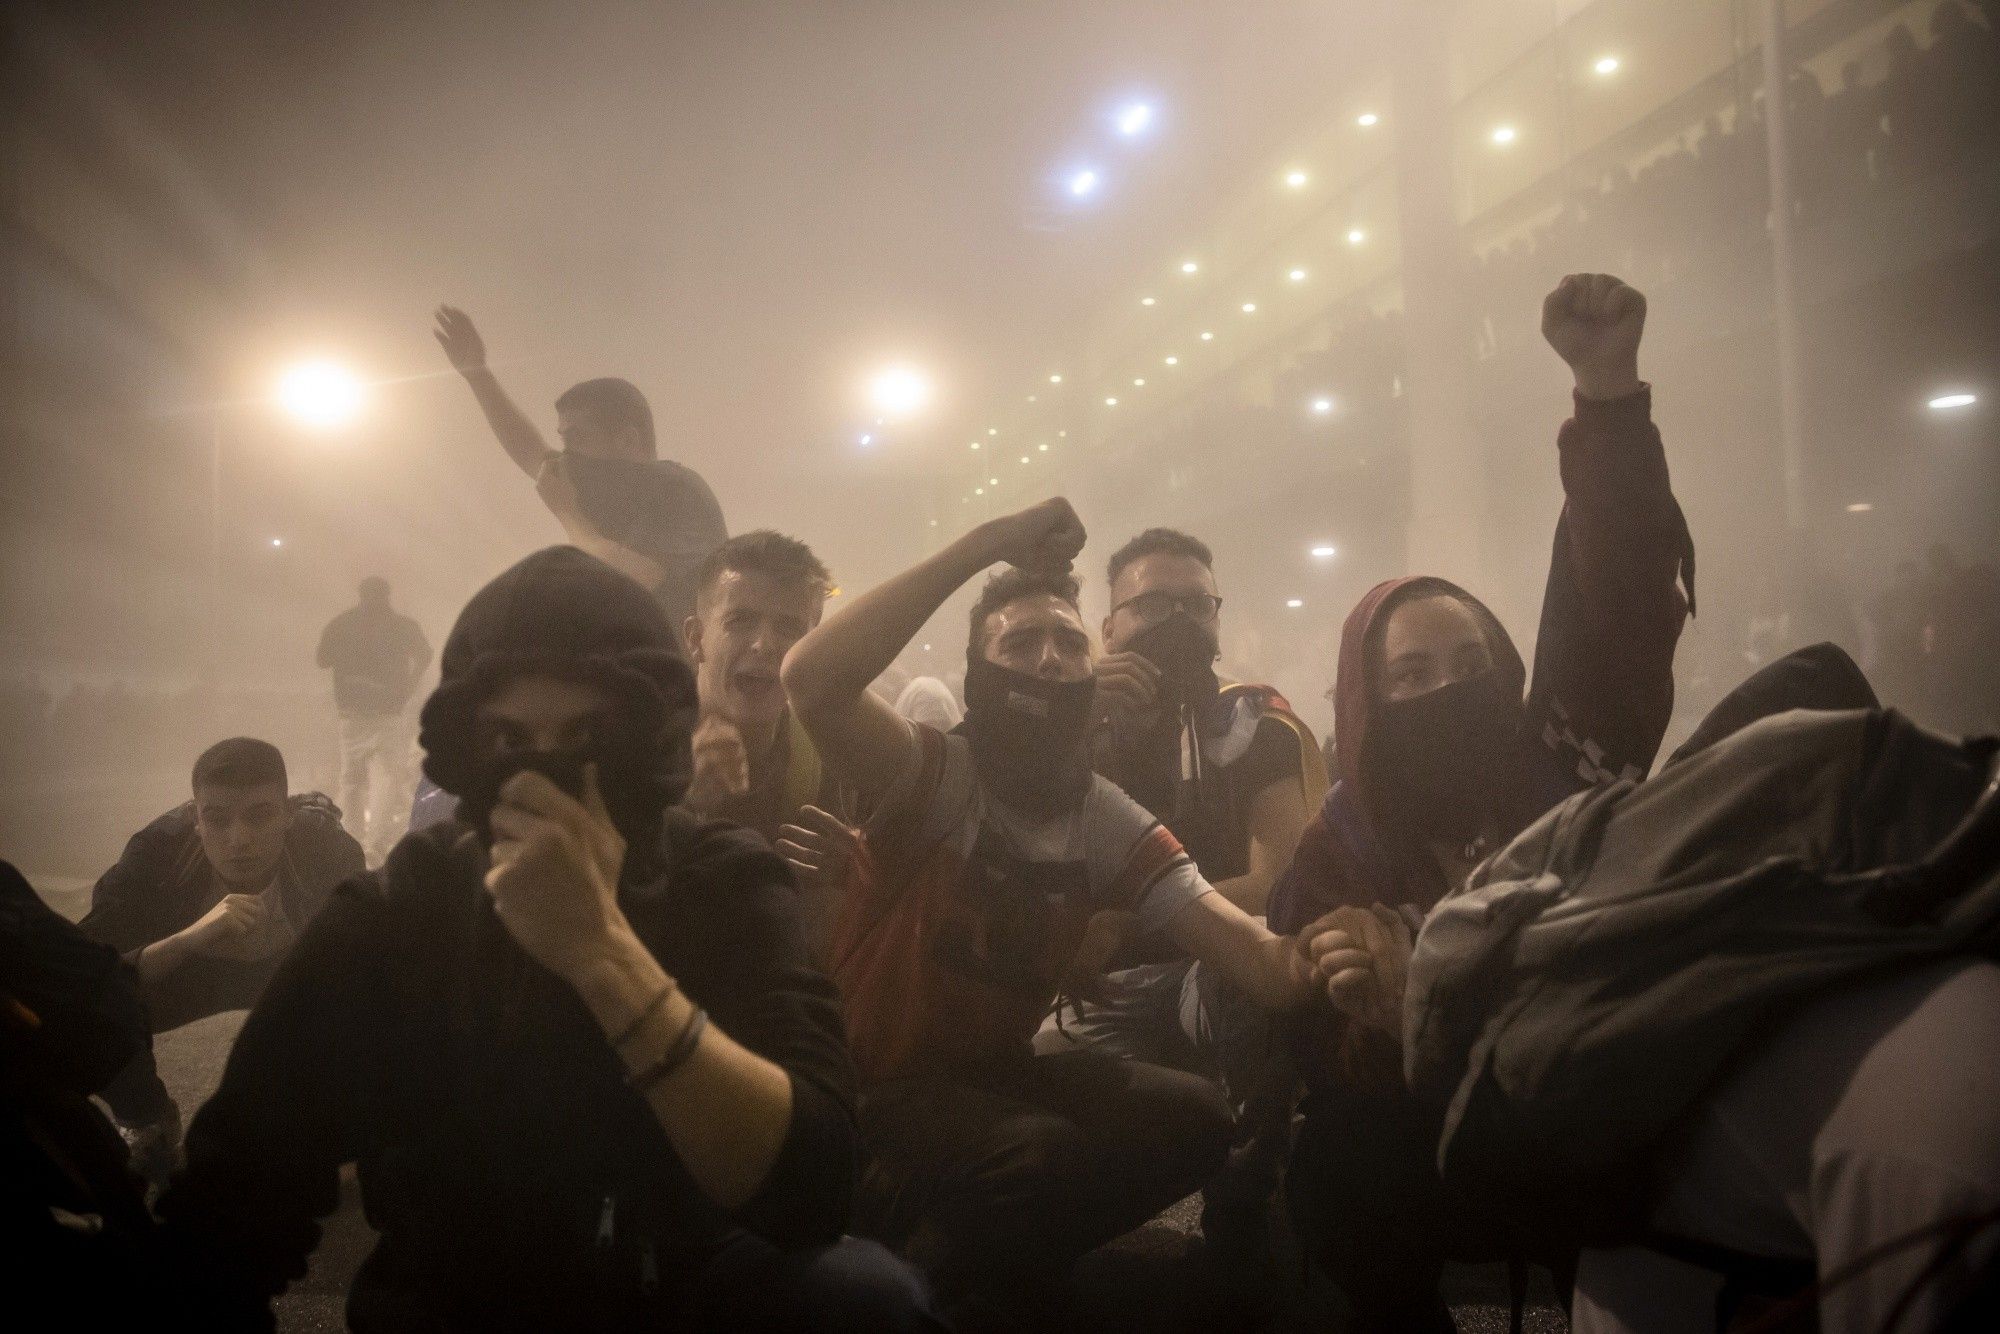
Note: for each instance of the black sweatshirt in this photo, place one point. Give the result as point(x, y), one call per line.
point(515, 1181)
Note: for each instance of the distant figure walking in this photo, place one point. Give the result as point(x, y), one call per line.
point(377, 656)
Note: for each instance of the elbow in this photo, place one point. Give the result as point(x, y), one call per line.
point(805, 686)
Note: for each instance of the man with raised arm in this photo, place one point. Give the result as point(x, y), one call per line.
point(644, 516)
point(991, 854)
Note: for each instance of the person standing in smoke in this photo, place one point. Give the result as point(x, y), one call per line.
point(992, 858)
point(571, 1037)
point(1440, 761)
point(1234, 774)
point(647, 517)
point(377, 655)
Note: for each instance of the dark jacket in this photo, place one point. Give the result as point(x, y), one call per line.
point(163, 884)
point(516, 1182)
point(1602, 693)
point(70, 1018)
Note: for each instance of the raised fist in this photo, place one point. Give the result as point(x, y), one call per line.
point(1594, 322)
point(1044, 538)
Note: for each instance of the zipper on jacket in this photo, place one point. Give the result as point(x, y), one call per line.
point(649, 1272)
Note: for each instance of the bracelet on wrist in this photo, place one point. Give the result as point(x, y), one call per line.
point(652, 1008)
point(676, 1056)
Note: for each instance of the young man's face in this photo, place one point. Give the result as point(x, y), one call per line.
point(1152, 588)
point(747, 623)
point(590, 433)
point(542, 713)
point(1428, 643)
point(1039, 635)
point(243, 832)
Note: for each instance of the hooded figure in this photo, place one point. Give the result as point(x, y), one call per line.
point(1431, 776)
point(513, 1149)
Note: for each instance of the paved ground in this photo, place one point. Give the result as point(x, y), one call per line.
point(1155, 1280)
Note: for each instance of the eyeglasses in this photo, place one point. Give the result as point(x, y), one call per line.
point(1156, 606)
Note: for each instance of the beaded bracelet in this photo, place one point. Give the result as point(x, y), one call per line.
point(676, 1055)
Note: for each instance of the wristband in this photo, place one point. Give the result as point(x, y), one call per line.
point(676, 1055)
point(652, 1008)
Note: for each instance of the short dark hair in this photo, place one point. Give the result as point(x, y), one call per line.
point(241, 761)
point(1011, 583)
point(617, 401)
point(762, 552)
point(1158, 542)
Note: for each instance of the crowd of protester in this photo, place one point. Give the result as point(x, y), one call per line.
point(721, 972)
point(729, 977)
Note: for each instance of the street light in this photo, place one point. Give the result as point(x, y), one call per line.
point(321, 395)
point(898, 391)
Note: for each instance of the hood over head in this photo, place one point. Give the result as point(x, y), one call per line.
point(1355, 700)
point(565, 614)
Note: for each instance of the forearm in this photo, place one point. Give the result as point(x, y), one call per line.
point(726, 1110)
point(156, 962)
point(517, 435)
point(1250, 891)
point(585, 536)
point(1267, 968)
point(836, 661)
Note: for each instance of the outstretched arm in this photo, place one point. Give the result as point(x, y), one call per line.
point(1613, 610)
point(461, 342)
point(827, 673)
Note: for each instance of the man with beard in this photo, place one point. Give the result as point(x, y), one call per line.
point(647, 517)
point(992, 857)
point(571, 1037)
point(204, 903)
point(1440, 762)
point(1234, 774)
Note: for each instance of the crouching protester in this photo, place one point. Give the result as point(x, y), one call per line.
point(204, 903)
point(571, 1037)
point(1733, 1029)
point(992, 857)
point(1439, 762)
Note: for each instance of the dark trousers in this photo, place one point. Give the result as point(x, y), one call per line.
point(996, 1178)
point(850, 1287)
point(1371, 1210)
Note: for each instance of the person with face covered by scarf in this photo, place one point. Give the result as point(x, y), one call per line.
point(1445, 750)
point(572, 1037)
point(993, 859)
point(1234, 774)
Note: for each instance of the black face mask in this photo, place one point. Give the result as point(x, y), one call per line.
point(635, 816)
point(1185, 653)
point(1443, 755)
point(1029, 736)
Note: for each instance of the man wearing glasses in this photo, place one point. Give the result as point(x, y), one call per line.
point(1235, 775)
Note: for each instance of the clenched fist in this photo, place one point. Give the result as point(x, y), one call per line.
point(1361, 957)
point(1594, 322)
point(243, 927)
point(721, 766)
point(1044, 538)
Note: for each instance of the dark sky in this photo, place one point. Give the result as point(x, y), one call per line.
point(743, 207)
